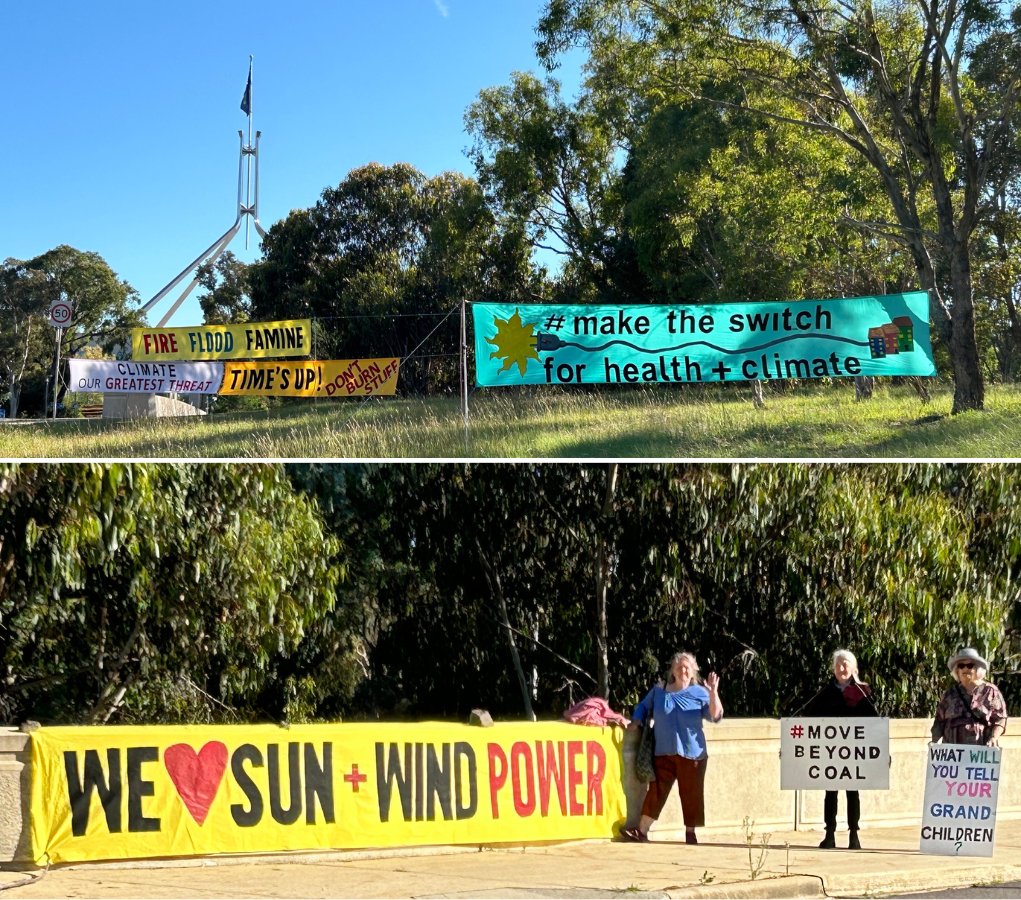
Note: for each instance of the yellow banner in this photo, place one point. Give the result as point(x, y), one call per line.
point(131, 792)
point(312, 378)
point(254, 340)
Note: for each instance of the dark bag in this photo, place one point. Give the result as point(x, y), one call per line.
point(645, 755)
point(987, 729)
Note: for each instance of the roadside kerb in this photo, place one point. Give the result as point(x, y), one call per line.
point(717, 868)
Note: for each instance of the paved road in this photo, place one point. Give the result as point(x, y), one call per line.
point(719, 867)
point(1009, 889)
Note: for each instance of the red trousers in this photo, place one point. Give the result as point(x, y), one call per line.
point(690, 777)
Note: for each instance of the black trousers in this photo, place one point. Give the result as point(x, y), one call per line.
point(830, 810)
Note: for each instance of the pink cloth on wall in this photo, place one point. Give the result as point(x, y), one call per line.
point(594, 711)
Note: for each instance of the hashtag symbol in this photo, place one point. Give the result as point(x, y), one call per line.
point(555, 323)
point(797, 731)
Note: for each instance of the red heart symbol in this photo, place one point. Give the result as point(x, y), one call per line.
point(196, 775)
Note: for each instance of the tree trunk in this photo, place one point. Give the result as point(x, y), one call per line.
point(602, 588)
point(969, 390)
point(957, 330)
point(921, 388)
point(493, 578)
point(15, 398)
point(864, 385)
point(758, 397)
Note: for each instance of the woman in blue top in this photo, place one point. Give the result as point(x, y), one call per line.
point(678, 710)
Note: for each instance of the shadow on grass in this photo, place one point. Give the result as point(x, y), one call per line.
point(989, 433)
point(643, 424)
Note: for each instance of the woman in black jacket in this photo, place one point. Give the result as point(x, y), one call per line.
point(843, 696)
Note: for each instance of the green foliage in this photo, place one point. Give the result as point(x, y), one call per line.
point(379, 261)
point(104, 311)
point(723, 205)
point(226, 300)
point(154, 592)
point(548, 169)
point(24, 332)
point(212, 593)
point(762, 570)
point(921, 97)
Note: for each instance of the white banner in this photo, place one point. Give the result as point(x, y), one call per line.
point(130, 377)
point(834, 754)
point(959, 817)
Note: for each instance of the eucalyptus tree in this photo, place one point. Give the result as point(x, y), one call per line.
point(382, 258)
point(498, 586)
point(549, 167)
point(104, 307)
point(763, 570)
point(23, 331)
point(154, 592)
point(723, 205)
point(904, 86)
point(226, 299)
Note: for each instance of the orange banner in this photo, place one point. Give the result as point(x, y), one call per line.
point(312, 378)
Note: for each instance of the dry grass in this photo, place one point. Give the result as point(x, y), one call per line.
point(817, 421)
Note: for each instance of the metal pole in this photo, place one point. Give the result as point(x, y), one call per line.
point(244, 209)
point(56, 373)
point(464, 369)
point(250, 148)
point(257, 223)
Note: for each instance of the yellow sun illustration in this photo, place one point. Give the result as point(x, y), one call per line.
point(514, 343)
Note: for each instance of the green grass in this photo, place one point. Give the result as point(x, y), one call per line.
point(817, 421)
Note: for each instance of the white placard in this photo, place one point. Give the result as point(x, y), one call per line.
point(961, 782)
point(834, 754)
point(145, 377)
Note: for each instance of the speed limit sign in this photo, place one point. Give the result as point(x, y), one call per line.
point(60, 313)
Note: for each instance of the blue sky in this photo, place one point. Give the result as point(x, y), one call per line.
point(122, 117)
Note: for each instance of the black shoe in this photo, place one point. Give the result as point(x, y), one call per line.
point(827, 842)
point(689, 837)
point(634, 835)
point(852, 841)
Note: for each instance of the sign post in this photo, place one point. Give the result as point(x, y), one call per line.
point(60, 316)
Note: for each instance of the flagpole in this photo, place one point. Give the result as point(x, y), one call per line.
point(464, 370)
point(248, 189)
point(246, 209)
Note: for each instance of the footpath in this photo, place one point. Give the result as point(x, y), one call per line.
point(721, 866)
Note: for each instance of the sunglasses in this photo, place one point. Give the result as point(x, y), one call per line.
point(966, 665)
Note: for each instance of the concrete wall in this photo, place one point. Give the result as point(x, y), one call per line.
point(141, 406)
point(742, 780)
point(14, 787)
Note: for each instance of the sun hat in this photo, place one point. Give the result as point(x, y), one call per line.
point(963, 654)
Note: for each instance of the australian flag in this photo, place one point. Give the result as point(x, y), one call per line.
point(246, 100)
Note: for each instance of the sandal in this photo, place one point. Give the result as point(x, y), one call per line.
point(634, 835)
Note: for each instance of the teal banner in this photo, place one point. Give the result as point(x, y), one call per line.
point(535, 344)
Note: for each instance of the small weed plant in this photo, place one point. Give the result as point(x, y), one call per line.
point(755, 864)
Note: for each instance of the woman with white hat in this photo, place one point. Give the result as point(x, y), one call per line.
point(972, 711)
